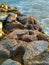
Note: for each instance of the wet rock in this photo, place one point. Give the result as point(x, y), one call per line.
point(34, 49)
point(4, 53)
point(29, 38)
point(11, 45)
point(11, 62)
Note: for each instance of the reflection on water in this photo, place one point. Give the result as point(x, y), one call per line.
point(37, 8)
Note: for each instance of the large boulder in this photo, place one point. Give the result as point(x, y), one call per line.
point(4, 53)
point(11, 45)
point(34, 50)
point(11, 62)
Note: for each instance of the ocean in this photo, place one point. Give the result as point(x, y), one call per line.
point(36, 8)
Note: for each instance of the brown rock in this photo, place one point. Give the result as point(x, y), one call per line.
point(29, 38)
point(11, 17)
point(27, 20)
point(34, 50)
point(4, 53)
point(11, 45)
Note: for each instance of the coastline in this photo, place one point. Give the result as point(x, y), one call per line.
point(23, 40)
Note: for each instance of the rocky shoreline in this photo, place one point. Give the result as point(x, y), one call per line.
point(22, 40)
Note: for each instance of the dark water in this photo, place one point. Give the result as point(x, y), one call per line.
point(37, 8)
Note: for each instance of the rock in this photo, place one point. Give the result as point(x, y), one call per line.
point(4, 54)
point(42, 59)
point(39, 35)
point(9, 27)
point(21, 32)
point(27, 20)
point(11, 45)
point(1, 31)
point(3, 16)
point(34, 50)
point(8, 9)
point(29, 38)
point(31, 27)
point(12, 17)
point(17, 32)
point(11, 62)
point(11, 36)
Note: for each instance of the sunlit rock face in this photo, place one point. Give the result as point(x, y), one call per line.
point(1, 29)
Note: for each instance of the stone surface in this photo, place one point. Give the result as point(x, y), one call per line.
point(24, 39)
point(11, 45)
point(12, 17)
point(39, 35)
point(11, 62)
point(34, 50)
point(4, 54)
point(27, 20)
point(29, 38)
point(8, 9)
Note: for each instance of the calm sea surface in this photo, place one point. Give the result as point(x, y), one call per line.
point(37, 8)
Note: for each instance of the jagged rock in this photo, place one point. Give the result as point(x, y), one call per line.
point(3, 16)
point(34, 50)
point(18, 32)
point(42, 59)
point(11, 62)
point(1, 31)
point(4, 53)
point(9, 27)
point(39, 35)
point(12, 17)
point(11, 45)
point(29, 38)
point(11, 36)
point(27, 20)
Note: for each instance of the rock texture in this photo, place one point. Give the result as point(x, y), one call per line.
point(10, 62)
point(23, 40)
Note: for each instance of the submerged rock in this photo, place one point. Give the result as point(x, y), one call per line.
point(11, 62)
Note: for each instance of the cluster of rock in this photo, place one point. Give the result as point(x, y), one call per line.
point(24, 42)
